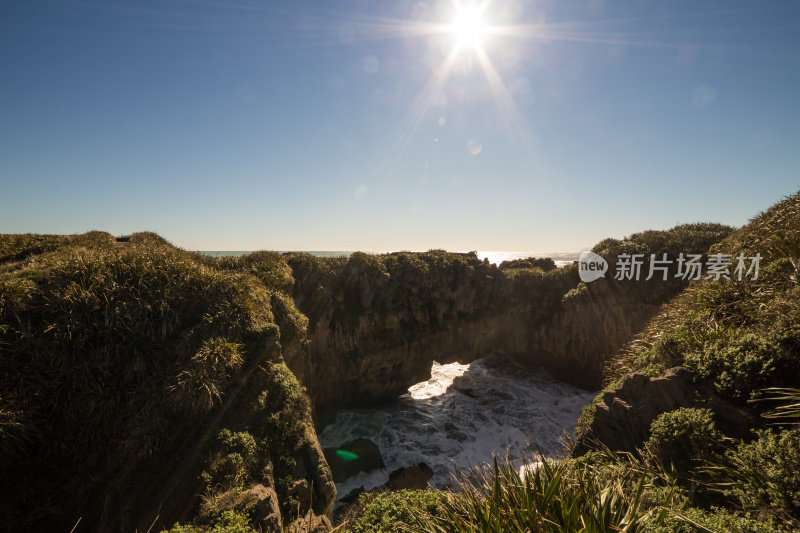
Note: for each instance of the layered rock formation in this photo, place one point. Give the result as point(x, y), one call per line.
point(376, 324)
point(622, 418)
point(373, 331)
point(592, 323)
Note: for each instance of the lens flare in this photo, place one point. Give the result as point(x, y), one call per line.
point(346, 456)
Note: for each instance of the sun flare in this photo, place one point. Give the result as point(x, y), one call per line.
point(469, 29)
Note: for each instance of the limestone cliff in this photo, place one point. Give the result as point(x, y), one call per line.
point(593, 322)
point(623, 416)
point(377, 323)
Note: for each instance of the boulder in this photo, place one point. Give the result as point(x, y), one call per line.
point(264, 502)
point(310, 523)
point(301, 492)
point(359, 455)
point(622, 418)
point(410, 477)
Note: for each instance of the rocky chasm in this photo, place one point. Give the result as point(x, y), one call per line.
point(364, 343)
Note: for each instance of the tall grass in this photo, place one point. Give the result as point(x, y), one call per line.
point(791, 406)
point(599, 493)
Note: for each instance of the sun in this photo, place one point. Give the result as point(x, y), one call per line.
point(469, 29)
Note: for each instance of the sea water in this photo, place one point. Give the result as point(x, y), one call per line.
point(463, 415)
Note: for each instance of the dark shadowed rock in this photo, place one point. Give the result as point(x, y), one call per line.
point(410, 477)
point(359, 455)
point(264, 504)
point(310, 523)
point(310, 466)
point(622, 418)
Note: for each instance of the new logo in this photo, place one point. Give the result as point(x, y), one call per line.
point(591, 267)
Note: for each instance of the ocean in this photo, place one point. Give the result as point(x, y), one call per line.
point(463, 415)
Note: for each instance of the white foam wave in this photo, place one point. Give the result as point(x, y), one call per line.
point(442, 377)
point(462, 416)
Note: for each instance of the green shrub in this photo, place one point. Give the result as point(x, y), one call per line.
point(281, 408)
point(684, 435)
point(781, 271)
point(15, 293)
point(546, 264)
point(17, 247)
point(581, 290)
point(732, 303)
point(383, 512)
point(600, 492)
point(739, 363)
point(278, 419)
point(291, 322)
point(669, 349)
point(765, 473)
point(228, 522)
point(147, 239)
point(526, 280)
point(545, 290)
point(269, 267)
point(685, 238)
point(200, 385)
point(121, 363)
point(717, 520)
point(232, 464)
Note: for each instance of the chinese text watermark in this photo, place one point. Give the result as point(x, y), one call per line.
point(634, 267)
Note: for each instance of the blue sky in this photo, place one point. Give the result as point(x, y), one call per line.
point(352, 124)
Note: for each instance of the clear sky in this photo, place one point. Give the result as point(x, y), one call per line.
point(536, 125)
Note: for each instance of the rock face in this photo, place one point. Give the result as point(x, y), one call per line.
point(376, 325)
point(622, 419)
point(372, 335)
point(359, 455)
point(591, 324)
point(410, 478)
point(266, 509)
point(310, 523)
point(355, 369)
point(311, 468)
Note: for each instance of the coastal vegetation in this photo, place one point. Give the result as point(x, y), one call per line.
point(737, 338)
point(741, 341)
point(146, 387)
point(128, 369)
